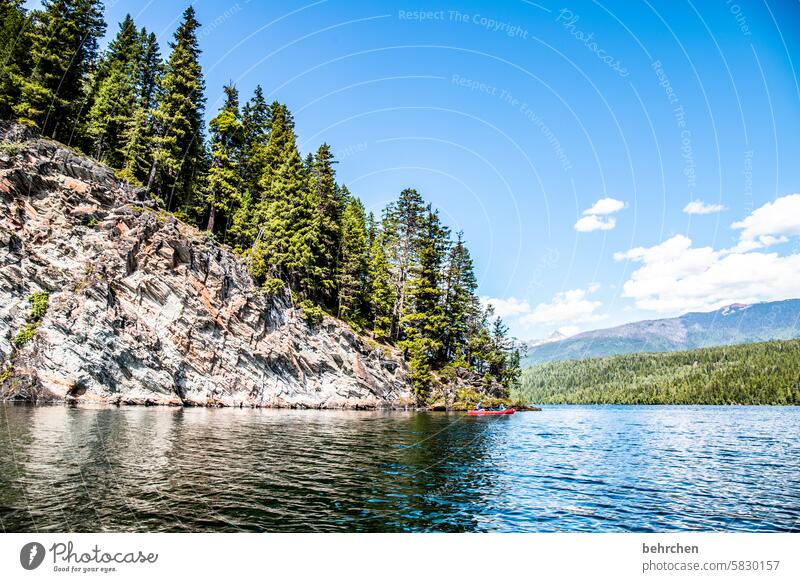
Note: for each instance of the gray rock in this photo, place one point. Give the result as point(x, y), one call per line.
point(144, 309)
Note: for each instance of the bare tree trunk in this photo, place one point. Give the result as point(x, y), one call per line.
point(212, 217)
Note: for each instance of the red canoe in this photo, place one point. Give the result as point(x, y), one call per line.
point(490, 412)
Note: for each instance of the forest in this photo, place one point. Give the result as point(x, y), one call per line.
point(759, 373)
point(401, 277)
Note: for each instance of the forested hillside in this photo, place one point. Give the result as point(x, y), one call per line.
point(401, 277)
point(761, 373)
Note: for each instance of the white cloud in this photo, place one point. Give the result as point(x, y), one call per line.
point(605, 206)
point(773, 223)
point(590, 223)
point(566, 307)
point(676, 277)
point(565, 310)
point(507, 308)
point(596, 217)
point(700, 207)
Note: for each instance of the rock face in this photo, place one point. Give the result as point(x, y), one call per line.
point(144, 309)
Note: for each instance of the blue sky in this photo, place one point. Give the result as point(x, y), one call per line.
point(565, 139)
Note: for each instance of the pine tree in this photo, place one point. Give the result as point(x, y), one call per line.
point(285, 212)
point(256, 122)
point(63, 46)
point(504, 361)
point(116, 97)
point(460, 302)
point(424, 326)
point(13, 53)
point(138, 132)
point(401, 224)
point(244, 228)
point(224, 180)
point(480, 345)
point(351, 275)
point(150, 69)
point(328, 207)
point(380, 289)
point(179, 157)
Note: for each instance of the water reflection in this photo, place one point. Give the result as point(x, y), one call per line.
point(564, 469)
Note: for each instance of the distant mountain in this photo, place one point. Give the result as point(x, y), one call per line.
point(734, 324)
point(553, 337)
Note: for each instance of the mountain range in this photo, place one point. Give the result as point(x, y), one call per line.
point(734, 324)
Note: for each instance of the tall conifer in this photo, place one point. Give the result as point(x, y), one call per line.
point(14, 58)
point(224, 180)
point(63, 46)
point(179, 157)
point(351, 275)
point(116, 96)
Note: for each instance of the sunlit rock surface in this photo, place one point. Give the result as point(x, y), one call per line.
point(145, 309)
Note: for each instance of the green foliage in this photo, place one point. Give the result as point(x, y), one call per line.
point(179, 156)
point(13, 53)
point(12, 148)
point(312, 314)
point(351, 272)
point(62, 41)
point(327, 203)
point(761, 373)
point(423, 325)
point(39, 302)
point(273, 287)
point(401, 242)
point(6, 373)
point(116, 96)
point(224, 179)
point(381, 295)
point(25, 334)
point(461, 305)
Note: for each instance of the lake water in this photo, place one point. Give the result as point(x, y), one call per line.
point(567, 468)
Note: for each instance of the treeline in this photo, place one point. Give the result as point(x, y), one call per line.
point(401, 276)
point(761, 373)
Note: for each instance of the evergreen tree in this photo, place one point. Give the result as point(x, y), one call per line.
point(116, 97)
point(138, 132)
point(351, 275)
point(13, 52)
point(256, 122)
point(401, 225)
point(425, 324)
point(150, 69)
point(480, 345)
point(504, 357)
point(461, 305)
point(179, 157)
point(224, 180)
point(63, 46)
point(328, 207)
point(285, 212)
point(380, 288)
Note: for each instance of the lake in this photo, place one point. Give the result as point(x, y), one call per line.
point(567, 468)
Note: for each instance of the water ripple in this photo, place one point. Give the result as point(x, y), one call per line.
point(602, 468)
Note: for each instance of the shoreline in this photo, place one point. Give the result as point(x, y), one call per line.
point(171, 405)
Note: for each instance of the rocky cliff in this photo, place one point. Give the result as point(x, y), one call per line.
point(144, 309)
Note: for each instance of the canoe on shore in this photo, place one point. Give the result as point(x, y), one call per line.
point(490, 412)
